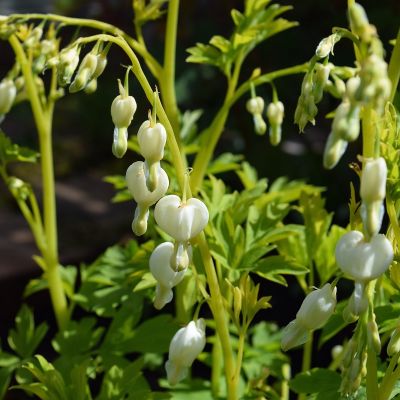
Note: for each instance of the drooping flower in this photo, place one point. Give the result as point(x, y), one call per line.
point(184, 348)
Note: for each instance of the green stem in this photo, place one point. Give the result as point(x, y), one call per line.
point(394, 67)
point(167, 79)
point(216, 367)
point(239, 357)
point(44, 127)
point(389, 380)
point(371, 381)
point(394, 222)
point(306, 363)
point(218, 310)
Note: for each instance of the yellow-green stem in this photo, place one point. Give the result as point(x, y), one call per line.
point(218, 310)
point(216, 367)
point(239, 357)
point(43, 123)
point(306, 363)
point(167, 79)
point(371, 381)
point(392, 374)
point(394, 67)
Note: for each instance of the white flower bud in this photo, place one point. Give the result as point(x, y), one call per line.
point(255, 105)
point(326, 45)
point(8, 91)
point(100, 65)
point(275, 113)
point(182, 221)
point(373, 180)
point(334, 149)
point(152, 141)
point(69, 60)
point(346, 123)
point(363, 261)
point(185, 346)
point(85, 73)
point(314, 312)
point(359, 22)
point(166, 276)
point(317, 307)
point(136, 177)
point(320, 79)
point(34, 37)
point(123, 108)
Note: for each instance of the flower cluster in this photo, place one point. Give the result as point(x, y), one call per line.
point(275, 113)
point(367, 256)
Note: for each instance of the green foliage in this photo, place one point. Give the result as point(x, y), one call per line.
point(257, 23)
point(12, 152)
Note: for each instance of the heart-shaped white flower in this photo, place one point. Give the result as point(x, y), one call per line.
point(182, 221)
point(152, 141)
point(136, 177)
point(362, 260)
point(167, 278)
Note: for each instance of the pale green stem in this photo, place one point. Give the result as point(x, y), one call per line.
point(43, 124)
point(371, 381)
point(394, 67)
point(216, 367)
point(393, 218)
point(306, 363)
point(392, 375)
point(167, 79)
point(239, 357)
point(218, 310)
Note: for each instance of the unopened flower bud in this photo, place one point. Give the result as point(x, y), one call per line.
point(8, 91)
point(334, 149)
point(152, 141)
point(374, 339)
point(100, 65)
point(139, 223)
point(326, 45)
point(321, 76)
point(85, 73)
point(346, 123)
point(120, 142)
point(34, 37)
point(275, 113)
point(394, 343)
point(184, 348)
point(314, 312)
point(166, 276)
point(359, 22)
point(91, 87)
point(255, 105)
point(69, 60)
point(317, 307)
point(363, 261)
point(181, 220)
point(123, 108)
point(373, 180)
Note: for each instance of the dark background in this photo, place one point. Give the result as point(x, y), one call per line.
point(88, 221)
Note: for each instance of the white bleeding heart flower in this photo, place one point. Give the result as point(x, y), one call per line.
point(363, 261)
point(184, 348)
point(152, 141)
point(136, 177)
point(166, 276)
point(181, 220)
point(317, 307)
point(373, 180)
point(314, 312)
point(8, 92)
point(123, 108)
